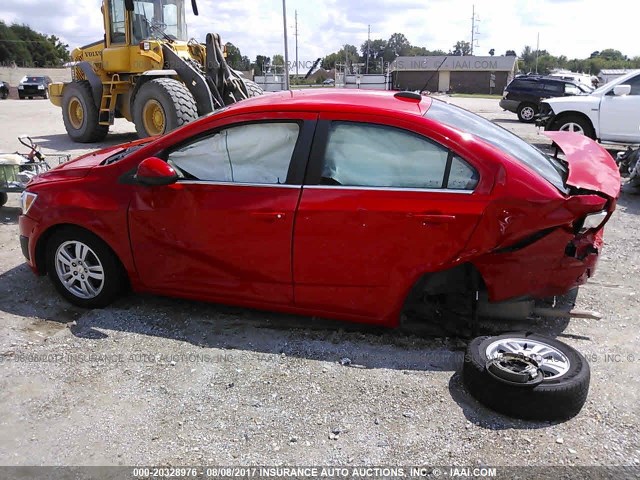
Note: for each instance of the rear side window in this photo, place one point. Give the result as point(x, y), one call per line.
point(252, 153)
point(501, 138)
point(368, 155)
point(523, 84)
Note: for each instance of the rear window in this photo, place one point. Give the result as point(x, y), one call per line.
point(546, 166)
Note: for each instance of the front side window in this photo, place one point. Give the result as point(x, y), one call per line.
point(570, 89)
point(554, 87)
point(159, 19)
point(368, 155)
point(118, 23)
point(635, 85)
point(258, 153)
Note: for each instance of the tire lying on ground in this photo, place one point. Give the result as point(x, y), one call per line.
point(528, 376)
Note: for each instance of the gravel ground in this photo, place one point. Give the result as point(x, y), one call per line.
point(168, 382)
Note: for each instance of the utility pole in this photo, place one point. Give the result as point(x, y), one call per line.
point(474, 28)
point(368, 47)
point(537, 51)
point(286, 47)
point(297, 46)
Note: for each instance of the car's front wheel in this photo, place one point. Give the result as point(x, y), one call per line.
point(527, 376)
point(83, 268)
point(574, 123)
point(527, 112)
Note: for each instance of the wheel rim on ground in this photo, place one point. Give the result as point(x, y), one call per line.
point(79, 269)
point(551, 361)
point(153, 118)
point(572, 127)
point(527, 113)
point(76, 113)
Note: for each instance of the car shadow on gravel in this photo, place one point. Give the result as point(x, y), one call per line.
point(63, 144)
point(204, 325)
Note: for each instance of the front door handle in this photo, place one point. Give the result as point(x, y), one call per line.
point(433, 218)
point(269, 215)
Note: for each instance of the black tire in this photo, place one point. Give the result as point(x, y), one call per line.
point(556, 398)
point(176, 101)
point(114, 278)
point(253, 89)
point(527, 112)
point(565, 123)
point(21, 97)
point(5, 95)
point(85, 129)
point(4, 198)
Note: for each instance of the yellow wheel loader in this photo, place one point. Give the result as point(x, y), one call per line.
point(147, 71)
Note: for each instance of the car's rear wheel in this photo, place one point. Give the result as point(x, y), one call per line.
point(574, 123)
point(4, 198)
point(83, 268)
point(527, 112)
point(527, 376)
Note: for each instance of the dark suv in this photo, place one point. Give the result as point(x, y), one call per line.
point(524, 94)
point(34, 86)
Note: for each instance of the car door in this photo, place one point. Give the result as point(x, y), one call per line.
point(620, 115)
point(380, 206)
point(223, 230)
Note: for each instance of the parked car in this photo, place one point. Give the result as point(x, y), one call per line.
point(610, 113)
point(4, 90)
point(329, 81)
point(34, 86)
point(524, 94)
point(336, 204)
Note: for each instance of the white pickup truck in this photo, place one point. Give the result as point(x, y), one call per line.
point(610, 113)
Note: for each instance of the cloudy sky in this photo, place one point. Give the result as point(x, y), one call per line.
point(574, 28)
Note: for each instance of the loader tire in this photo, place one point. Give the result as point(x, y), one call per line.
point(253, 89)
point(80, 114)
point(162, 105)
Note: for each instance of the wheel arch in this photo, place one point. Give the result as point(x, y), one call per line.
point(574, 113)
point(40, 250)
point(462, 278)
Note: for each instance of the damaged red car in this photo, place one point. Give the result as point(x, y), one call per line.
point(338, 204)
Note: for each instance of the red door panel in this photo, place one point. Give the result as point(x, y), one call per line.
point(215, 240)
point(358, 251)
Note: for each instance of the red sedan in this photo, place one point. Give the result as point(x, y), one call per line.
point(333, 204)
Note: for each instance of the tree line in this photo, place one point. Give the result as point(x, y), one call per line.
point(23, 46)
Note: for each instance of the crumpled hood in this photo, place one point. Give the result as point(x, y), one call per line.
point(591, 167)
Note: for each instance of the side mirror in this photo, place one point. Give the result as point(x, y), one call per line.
point(154, 171)
point(620, 90)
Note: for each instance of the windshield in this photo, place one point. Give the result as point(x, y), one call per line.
point(546, 166)
point(159, 19)
point(618, 81)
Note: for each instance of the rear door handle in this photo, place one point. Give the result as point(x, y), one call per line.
point(269, 215)
point(433, 218)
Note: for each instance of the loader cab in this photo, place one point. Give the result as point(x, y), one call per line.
point(129, 23)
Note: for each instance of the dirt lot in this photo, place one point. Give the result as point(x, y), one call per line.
point(160, 381)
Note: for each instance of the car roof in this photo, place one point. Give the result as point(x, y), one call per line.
point(343, 100)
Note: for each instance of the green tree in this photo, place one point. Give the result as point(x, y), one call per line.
point(461, 48)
